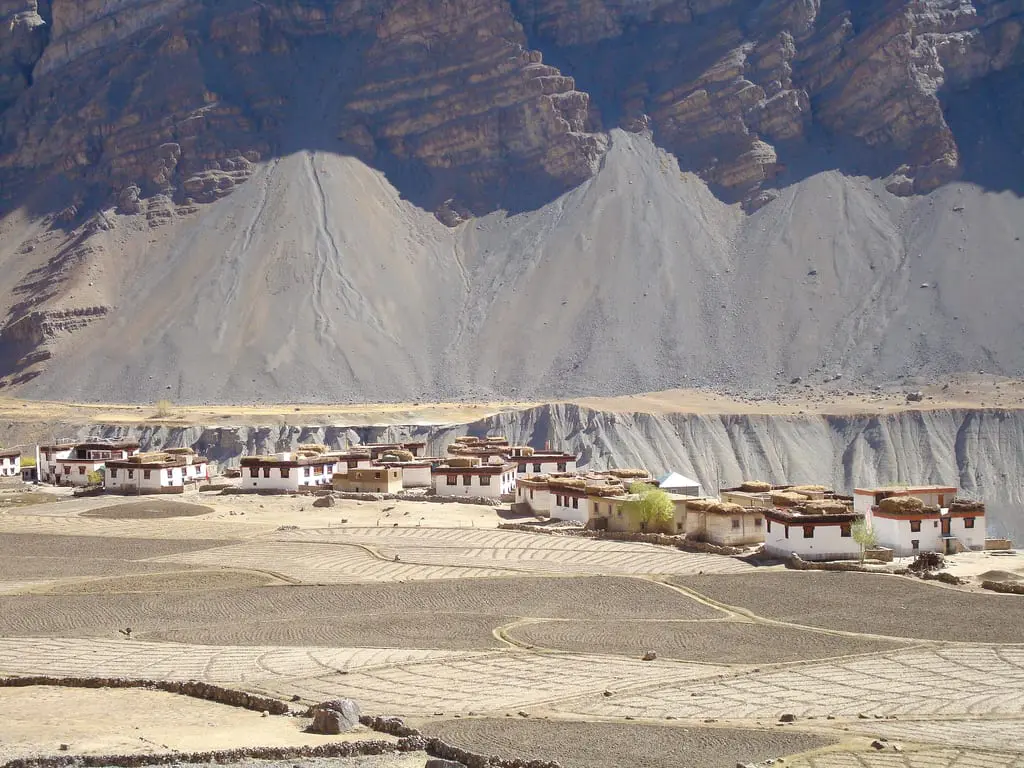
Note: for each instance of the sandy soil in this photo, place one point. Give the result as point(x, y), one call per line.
point(611, 745)
point(153, 508)
point(720, 642)
point(37, 720)
point(857, 602)
point(182, 581)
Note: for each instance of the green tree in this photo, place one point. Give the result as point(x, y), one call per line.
point(864, 535)
point(164, 409)
point(651, 506)
point(95, 478)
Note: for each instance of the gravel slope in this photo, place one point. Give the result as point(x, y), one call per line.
point(316, 281)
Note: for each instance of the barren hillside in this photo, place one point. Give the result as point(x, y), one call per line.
point(320, 200)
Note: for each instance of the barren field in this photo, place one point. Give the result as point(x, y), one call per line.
point(611, 745)
point(880, 605)
point(179, 581)
point(720, 642)
point(36, 720)
point(153, 508)
point(430, 611)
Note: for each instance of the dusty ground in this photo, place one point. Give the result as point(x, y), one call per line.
point(881, 605)
point(37, 720)
point(447, 629)
point(152, 508)
point(610, 745)
point(714, 642)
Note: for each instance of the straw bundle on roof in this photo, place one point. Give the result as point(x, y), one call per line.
point(399, 454)
point(464, 461)
point(568, 482)
point(808, 488)
point(898, 504)
point(966, 505)
point(525, 450)
point(604, 490)
point(311, 447)
point(700, 505)
point(726, 508)
point(755, 486)
point(629, 473)
point(149, 458)
point(466, 440)
point(497, 439)
point(825, 507)
point(787, 498)
point(180, 451)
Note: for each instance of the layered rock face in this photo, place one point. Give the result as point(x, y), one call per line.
point(734, 86)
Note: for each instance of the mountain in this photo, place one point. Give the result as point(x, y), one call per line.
point(433, 199)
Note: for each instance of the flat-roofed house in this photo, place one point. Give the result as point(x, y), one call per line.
point(910, 519)
point(46, 459)
point(532, 462)
point(469, 476)
point(376, 479)
point(610, 510)
point(534, 493)
point(10, 464)
point(347, 460)
point(415, 473)
point(287, 471)
point(73, 467)
point(814, 530)
point(156, 472)
point(724, 523)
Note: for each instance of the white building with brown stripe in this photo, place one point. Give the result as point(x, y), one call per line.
point(814, 531)
point(925, 518)
point(160, 472)
point(468, 476)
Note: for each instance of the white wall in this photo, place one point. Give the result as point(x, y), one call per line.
point(298, 477)
point(827, 543)
point(416, 477)
point(539, 500)
point(10, 467)
point(896, 534)
point(498, 484)
point(566, 511)
point(973, 538)
point(542, 466)
point(70, 472)
point(48, 469)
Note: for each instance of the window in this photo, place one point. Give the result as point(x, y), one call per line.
point(453, 480)
point(561, 466)
point(768, 527)
point(758, 522)
point(353, 463)
point(808, 531)
point(845, 530)
point(558, 501)
point(536, 467)
point(169, 474)
point(284, 473)
point(467, 479)
point(376, 475)
point(968, 522)
point(81, 470)
point(915, 526)
point(786, 531)
point(254, 471)
point(735, 523)
point(531, 499)
point(915, 544)
point(575, 503)
point(145, 474)
point(131, 474)
point(485, 479)
point(522, 468)
point(266, 471)
point(113, 472)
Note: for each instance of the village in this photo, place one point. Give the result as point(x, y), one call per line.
point(807, 522)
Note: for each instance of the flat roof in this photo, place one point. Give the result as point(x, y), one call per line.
point(906, 489)
point(480, 469)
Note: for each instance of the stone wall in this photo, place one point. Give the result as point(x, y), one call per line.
point(662, 539)
point(1004, 587)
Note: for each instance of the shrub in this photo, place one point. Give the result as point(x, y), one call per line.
point(164, 408)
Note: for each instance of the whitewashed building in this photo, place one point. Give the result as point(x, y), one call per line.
point(343, 462)
point(155, 473)
point(72, 465)
point(10, 464)
point(534, 493)
point(570, 502)
point(940, 523)
point(287, 472)
point(812, 535)
point(543, 463)
point(492, 480)
point(415, 474)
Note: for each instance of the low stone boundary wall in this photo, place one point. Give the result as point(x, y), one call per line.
point(662, 539)
point(1003, 587)
point(191, 688)
point(797, 563)
point(998, 545)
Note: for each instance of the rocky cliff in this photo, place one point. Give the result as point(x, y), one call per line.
point(980, 450)
point(130, 128)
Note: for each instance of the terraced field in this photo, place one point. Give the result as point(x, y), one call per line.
point(721, 642)
point(519, 633)
point(869, 603)
point(610, 745)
